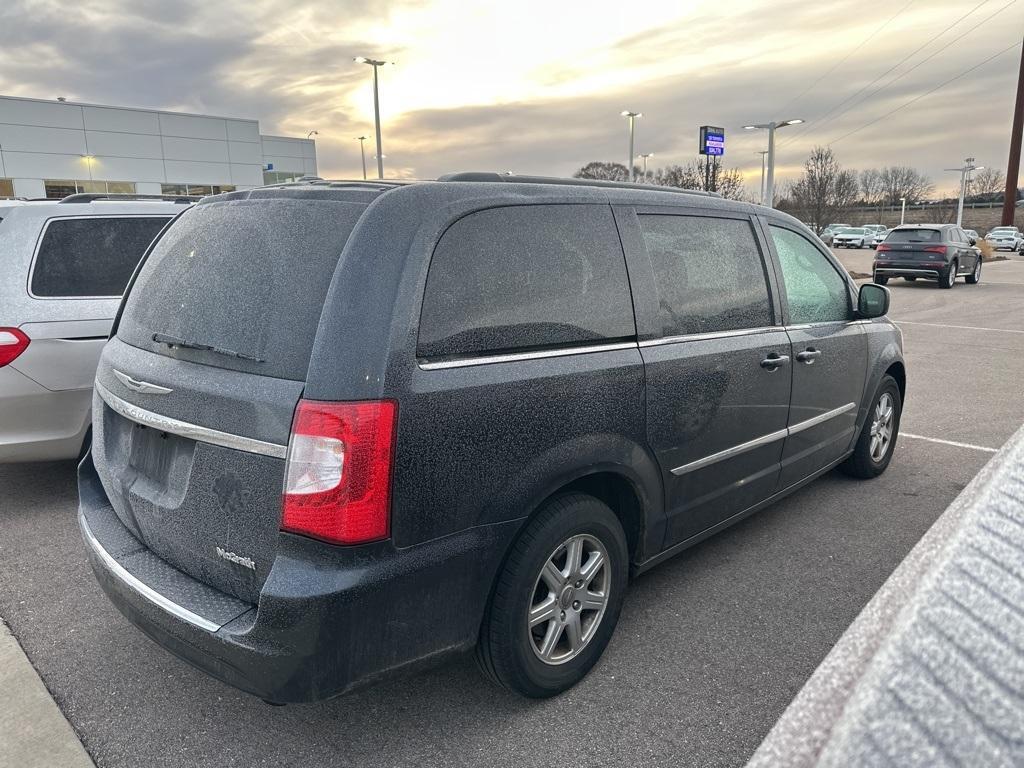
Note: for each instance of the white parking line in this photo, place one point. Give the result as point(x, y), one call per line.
point(961, 327)
point(955, 444)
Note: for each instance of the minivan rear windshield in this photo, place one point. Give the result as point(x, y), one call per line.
point(240, 284)
point(914, 236)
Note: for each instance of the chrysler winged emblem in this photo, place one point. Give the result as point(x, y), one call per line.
point(143, 387)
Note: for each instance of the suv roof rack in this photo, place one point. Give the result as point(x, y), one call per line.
point(517, 179)
point(88, 197)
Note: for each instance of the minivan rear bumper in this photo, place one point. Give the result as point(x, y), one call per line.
point(328, 618)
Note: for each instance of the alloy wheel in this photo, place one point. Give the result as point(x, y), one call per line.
point(569, 599)
point(881, 427)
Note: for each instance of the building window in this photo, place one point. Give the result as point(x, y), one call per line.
point(6, 188)
point(279, 177)
point(195, 189)
point(58, 188)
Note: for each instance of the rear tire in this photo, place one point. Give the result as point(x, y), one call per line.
point(554, 650)
point(975, 277)
point(880, 280)
point(948, 278)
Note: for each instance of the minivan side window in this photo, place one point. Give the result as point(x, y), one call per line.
point(91, 256)
point(816, 292)
point(708, 273)
point(525, 277)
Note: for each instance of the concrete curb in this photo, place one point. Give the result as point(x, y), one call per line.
point(33, 730)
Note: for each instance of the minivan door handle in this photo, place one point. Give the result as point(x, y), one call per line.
point(774, 361)
point(809, 355)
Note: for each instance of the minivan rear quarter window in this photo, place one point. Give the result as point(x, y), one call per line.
point(91, 256)
point(708, 272)
point(526, 277)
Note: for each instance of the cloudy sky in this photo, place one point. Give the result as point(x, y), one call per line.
point(537, 87)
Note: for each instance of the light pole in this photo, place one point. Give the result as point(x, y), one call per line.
point(965, 178)
point(763, 153)
point(769, 188)
point(376, 64)
point(312, 133)
point(632, 118)
point(645, 156)
point(903, 210)
point(362, 151)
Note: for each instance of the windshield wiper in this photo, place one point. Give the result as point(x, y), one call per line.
point(171, 341)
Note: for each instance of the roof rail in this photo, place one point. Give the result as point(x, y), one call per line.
point(88, 197)
point(516, 179)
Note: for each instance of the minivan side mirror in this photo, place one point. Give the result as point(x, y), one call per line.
point(872, 301)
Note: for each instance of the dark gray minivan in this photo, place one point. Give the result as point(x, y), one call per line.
point(342, 429)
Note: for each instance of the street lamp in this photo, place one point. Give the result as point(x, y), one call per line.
point(762, 153)
point(632, 117)
point(769, 188)
point(903, 210)
point(88, 162)
point(965, 179)
point(362, 151)
point(312, 133)
point(645, 156)
point(375, 63)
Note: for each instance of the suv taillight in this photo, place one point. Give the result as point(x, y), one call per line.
point(883, 247)
point(12, 343)
point(936, 249)
point(338, 473)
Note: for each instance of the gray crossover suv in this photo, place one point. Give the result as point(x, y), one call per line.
point(345, 429)
point(65, 264)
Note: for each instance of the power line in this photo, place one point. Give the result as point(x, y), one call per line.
point(825, 118)
point(845, 58)
point(926, 93)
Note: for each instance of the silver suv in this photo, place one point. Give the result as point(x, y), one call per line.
point(65, 265)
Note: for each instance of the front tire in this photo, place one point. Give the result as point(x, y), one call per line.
point(877, 439)
point(557, 600)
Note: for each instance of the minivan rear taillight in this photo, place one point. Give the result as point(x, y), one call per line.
point(12, 343)
point(338, 473)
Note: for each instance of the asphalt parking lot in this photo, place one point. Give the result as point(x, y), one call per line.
point(710, 649)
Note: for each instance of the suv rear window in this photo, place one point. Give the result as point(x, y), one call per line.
point(914, 236)
point(90, 256)
point(246, 279)
point(524, 277)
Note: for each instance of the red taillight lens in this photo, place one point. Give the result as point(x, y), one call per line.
point(12, 343)
point(338, 473)
point(883, 247)
point(936, 249)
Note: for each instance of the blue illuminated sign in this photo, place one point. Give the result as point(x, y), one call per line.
point(712, 140)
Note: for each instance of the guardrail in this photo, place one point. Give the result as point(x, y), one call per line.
point(932, 670)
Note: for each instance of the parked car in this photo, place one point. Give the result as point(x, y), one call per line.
point(879, 237)
point(400, 420)
point(972, 236)
point(826, 237)
point(831, 229)
point(940, 252)
point(1005, 239)
point(851, 237)
point(65, 264)
point(875, 228)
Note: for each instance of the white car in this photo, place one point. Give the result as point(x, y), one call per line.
point(1005, 238)
point(879, 237)
point(851, 237)
point(65, 263)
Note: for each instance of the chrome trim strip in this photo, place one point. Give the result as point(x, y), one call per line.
point(898, 271)
point(728, 453)
point(185, 429)
point(709, 335)
point(146, 591)
point(821, 418)
point(757, 442)
point(515, 357)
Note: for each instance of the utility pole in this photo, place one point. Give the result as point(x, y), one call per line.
point(1013, 166)
point(762, 153)
point(362, 152)
point(631, 116)
point(376, 64)
point(965, 179)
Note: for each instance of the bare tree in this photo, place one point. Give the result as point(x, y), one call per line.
point(902, 181)
point(870, 185)
point(824, 191)
point(696, 174)
point(603, 171)
point(987, 184)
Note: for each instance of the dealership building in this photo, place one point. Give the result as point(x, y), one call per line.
point(56, 148)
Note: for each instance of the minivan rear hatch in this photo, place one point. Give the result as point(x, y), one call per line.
point(196, 392)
